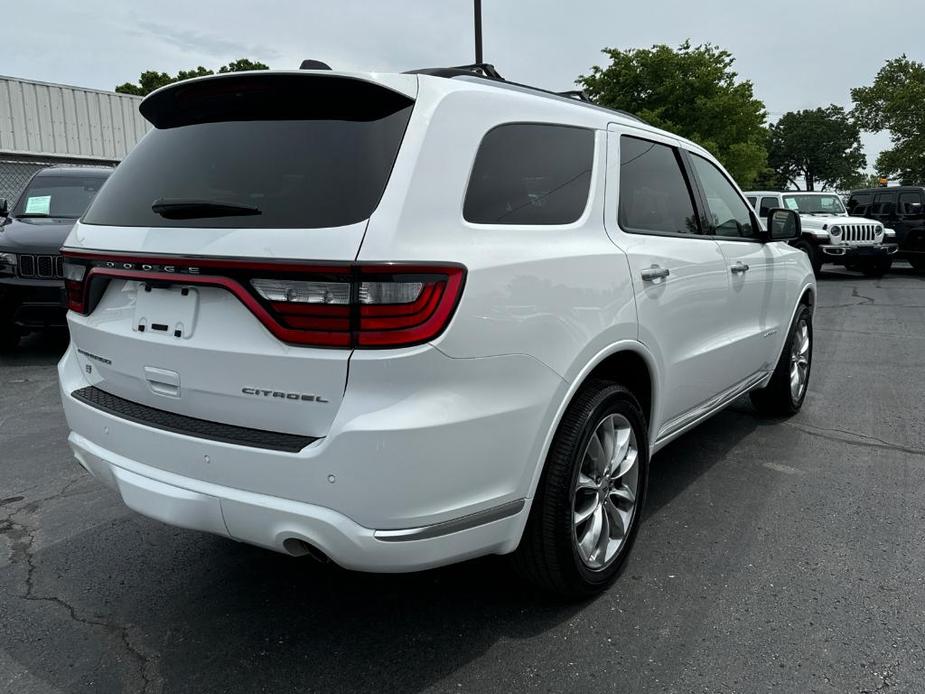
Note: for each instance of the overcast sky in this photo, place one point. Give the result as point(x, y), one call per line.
point(798, 53)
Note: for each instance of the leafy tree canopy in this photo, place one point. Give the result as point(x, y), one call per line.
point(822, 146)
point(151, 80)
point(896, 102)
point(691, 91)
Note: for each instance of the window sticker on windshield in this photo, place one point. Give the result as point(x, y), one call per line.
point(40, 204)
point(791, 203)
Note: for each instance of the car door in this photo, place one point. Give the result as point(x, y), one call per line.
point(757, 297)
point(679, 274)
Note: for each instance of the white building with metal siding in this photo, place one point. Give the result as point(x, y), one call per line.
point(43, 124)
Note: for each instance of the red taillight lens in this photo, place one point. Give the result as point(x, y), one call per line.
point(380, 306)
point(347, 306)
point(401, 308)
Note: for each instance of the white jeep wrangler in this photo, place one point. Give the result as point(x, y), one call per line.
point(829, 235)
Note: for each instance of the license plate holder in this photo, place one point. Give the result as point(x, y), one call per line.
point(166, 311)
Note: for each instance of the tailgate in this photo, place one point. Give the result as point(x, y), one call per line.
point(207, 279)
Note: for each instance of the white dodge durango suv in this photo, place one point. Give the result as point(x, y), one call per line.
point(402, 320)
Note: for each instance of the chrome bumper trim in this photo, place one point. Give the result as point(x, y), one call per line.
point(426, 532)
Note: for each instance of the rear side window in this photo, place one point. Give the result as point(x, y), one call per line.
point(530, 173)
point(264, 151)
point(654, 196)
point(767, 204)
point(752, 200)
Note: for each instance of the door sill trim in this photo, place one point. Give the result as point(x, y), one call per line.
point(678, 425)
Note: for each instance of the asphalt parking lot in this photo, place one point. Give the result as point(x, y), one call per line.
point(780, 556)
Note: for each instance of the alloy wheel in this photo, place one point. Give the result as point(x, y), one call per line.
point(604, 501)
point(799, 360)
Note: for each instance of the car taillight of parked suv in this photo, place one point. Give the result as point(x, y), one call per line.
point(402, 320)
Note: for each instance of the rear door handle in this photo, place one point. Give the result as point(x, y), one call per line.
point(739, 268)
point(650, 274)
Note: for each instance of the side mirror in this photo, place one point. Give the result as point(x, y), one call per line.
point(4, 207)
point(784, 225)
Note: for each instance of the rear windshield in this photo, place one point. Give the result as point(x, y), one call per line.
point(269, 151)
point(65, 197)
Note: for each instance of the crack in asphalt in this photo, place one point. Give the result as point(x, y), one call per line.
point(854, 438)
point(22, 537)
point(864, 301)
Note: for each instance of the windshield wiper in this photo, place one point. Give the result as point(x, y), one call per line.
point(183, 208)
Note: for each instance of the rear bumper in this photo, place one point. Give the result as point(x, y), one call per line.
point(429, 461)
point(283, 524)
point(872, 251)
point(33, 303)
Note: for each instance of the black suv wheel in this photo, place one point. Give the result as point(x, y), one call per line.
point(785, 392)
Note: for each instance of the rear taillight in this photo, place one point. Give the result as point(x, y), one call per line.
point(375, 305)
point(74, 274)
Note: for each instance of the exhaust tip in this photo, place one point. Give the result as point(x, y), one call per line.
point(296, 547)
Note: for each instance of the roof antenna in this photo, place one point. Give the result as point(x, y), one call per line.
point(477, 11)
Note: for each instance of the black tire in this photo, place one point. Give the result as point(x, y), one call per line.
point(548, 554)
point(917, 262)
point(9, 337)
point(777, 399)
point(877, 267)
point(812, 252)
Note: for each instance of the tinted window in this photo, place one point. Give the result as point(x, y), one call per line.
point(729, 215)
point(910, 203)
point(654, 195)
point(58, 196)
point(304, 152)
point(859, 203)
point(885, 204)
point(768, 204)
point(752, 200)
point(528, 173)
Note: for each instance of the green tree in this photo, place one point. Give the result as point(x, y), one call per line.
point(151, 80)
point(691, 91)
point(896, 102)
point(821, 145)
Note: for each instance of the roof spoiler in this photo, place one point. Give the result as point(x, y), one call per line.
point(309, 64)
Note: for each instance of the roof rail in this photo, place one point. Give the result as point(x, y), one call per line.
point(478, 69)
point(576, 94)
point(488, 72)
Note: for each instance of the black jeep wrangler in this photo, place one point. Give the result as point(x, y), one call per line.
point(902, 209)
